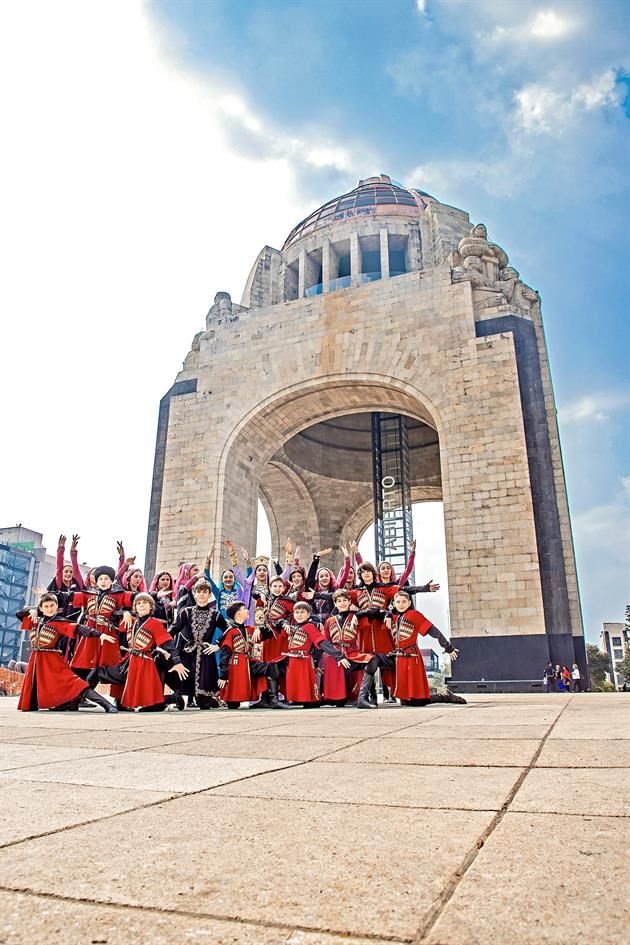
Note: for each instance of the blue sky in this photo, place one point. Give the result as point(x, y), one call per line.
point(145, 133)
point(516, 111)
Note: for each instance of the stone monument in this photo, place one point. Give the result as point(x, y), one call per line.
point(383, 299)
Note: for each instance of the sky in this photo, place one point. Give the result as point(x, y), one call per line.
point(152, 148)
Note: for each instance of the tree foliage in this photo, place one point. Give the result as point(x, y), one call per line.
point(598, 663)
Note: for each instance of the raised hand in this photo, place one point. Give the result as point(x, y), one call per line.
point(229, 545)
point(62, 540)
point(245, 554)
point(323, 552)
point(130, 561)
point(297, 553)
point(354, 547)
point(432, 587)
point(120, 548)
point(288, 546)
point(75, 542)
point(412, 547)
point(344, 551)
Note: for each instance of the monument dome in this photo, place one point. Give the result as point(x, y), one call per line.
point(374, 196)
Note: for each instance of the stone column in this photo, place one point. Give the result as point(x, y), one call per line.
point(384, 254)
point(301, 273)
point(325, 264)
point(355, 258)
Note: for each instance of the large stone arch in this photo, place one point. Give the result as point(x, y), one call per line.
point(249, 449)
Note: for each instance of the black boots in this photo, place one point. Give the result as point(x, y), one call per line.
point(448, 696)
point(273, 702)
point(363, 701)
point(97, 699)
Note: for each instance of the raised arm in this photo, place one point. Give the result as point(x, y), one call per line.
point(74, 560)
point(410, 563)
point(61, 548)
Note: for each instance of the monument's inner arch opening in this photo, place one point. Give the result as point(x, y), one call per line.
point(318, 486)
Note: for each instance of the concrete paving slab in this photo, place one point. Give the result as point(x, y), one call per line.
point(585, 728)
point(30, 808)
point(14, 756)
point(475, 752)
point(543, 880)
point(409, 786)
point(347, 727)
point(576, 791)
point(28, 918)
point(21, 733)
point(234, 860)
point(114, 740)
point(298, 748)
point(585, 753)
point(505, 715)
point(439, 730)
point(148, 771)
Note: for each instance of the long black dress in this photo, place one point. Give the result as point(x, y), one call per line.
point(192, 628)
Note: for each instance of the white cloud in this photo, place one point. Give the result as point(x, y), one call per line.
point(547, 24)
point(545, 109)
point(594, 407)
point(125, 207)
point(542, 27)
point(421, 7)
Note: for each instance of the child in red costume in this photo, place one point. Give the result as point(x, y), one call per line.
point(49, 683)
point(341, 629)
point(405, 659)
point(239, 670)
point(300, 637)
point(137, 672)
point(99, 605)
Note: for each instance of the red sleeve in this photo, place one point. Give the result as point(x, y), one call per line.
point(27, 623)
point(59, 571)
point(314, 635)
point(159, 632)
point(408, 569)
point(78, 599)
point(327, 628)
point(66, 628)
point(226, 640)
point(422, 624)
point(125, 599)
point(342, 577)
point(76, 570)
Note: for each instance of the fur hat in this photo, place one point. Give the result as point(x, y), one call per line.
point(104, 569)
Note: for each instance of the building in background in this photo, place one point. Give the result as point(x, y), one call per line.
point(613, 640)
point(25, 571)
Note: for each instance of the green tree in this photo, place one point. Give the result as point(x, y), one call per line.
point(623, 666)
point(598, 664)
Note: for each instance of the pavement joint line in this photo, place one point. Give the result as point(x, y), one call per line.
point(215, 916)
point(445, 897)
point(171, 795)
point(355, 803)
point(101, 753)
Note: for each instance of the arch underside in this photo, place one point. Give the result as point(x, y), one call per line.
point(314, 480)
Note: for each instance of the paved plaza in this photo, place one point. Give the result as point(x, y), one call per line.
point(501, 822)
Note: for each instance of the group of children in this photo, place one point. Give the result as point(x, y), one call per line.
point(269, 637)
